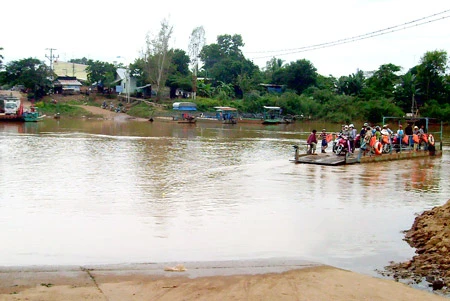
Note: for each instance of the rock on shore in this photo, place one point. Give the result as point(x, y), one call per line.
point(430, 236)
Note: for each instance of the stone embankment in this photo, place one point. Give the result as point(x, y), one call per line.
point(430, 236)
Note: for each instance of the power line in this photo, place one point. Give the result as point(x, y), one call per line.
point(384, 31)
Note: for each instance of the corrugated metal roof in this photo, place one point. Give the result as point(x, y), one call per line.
point(122, 73)
point(65, 82)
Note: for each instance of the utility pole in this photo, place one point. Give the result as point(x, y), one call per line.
point(51, 58)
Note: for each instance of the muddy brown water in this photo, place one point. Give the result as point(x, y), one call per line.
point(76, 192)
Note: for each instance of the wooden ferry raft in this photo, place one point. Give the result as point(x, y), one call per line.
point(331, 159)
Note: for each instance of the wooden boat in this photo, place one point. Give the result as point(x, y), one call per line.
point(186, 118)
point(32, 116)
point(225, 115)
point(185, 107)
point(272, 115)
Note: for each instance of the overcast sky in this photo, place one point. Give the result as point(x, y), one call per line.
point(104, 30)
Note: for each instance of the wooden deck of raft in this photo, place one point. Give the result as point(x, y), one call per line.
point(332, 159)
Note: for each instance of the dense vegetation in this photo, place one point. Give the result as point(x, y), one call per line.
point(228, 78)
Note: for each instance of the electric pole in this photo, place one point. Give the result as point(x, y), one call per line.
point(51, 58)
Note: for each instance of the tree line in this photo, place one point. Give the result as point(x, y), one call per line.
point(224, 76)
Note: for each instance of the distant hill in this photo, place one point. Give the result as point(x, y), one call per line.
point(70, 69)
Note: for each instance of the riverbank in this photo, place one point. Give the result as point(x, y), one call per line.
point(246, 280)
point(430, 236)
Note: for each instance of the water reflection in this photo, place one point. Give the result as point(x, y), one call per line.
point(77, 192)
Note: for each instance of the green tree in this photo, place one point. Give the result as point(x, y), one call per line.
point(356, 83)
point(224, 62)
point(31, 73)
point(179, 73)
point(271, 68)
point(430, 75)
point(297, 75)
point(101, 73)
point(180, 62)
point(341, 85)
point(384, 80)
point(205, 89)
point(139, 71)
point(406, 92)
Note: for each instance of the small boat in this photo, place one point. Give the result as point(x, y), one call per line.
point(185, 107)
point(272, 115)
point(32, 116)
point(187, 118)
point(225, 115)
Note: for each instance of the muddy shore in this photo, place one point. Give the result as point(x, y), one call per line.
point(430, 236)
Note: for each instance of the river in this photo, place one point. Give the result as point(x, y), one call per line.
point(77, 192)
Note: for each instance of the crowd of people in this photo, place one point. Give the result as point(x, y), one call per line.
point(413, 137)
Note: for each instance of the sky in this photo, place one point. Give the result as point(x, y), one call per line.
point(116, 30)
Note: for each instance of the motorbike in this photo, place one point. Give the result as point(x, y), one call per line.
point(386, 144)
point(340, 145)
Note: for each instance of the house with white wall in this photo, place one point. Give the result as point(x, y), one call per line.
point(125, 83)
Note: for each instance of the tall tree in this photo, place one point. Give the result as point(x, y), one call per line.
point(158, 56)
point(196, 42)
point(356, 83)
point(430, 74)
point(384, 80)
point(179, 75)
point(297, 75)
point(406, 92)
point(180, 62)
point(271, 68)
point(224, 62)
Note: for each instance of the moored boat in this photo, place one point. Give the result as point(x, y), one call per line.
point(185, 108)
point(225, 115)
point(32, 116)
point(272, 115)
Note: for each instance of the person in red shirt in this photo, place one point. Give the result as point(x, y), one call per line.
point(312, 142)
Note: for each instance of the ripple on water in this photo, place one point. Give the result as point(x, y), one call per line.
point(201, 194)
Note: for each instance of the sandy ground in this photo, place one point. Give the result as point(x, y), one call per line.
point(106, 114)
point(202, 282)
